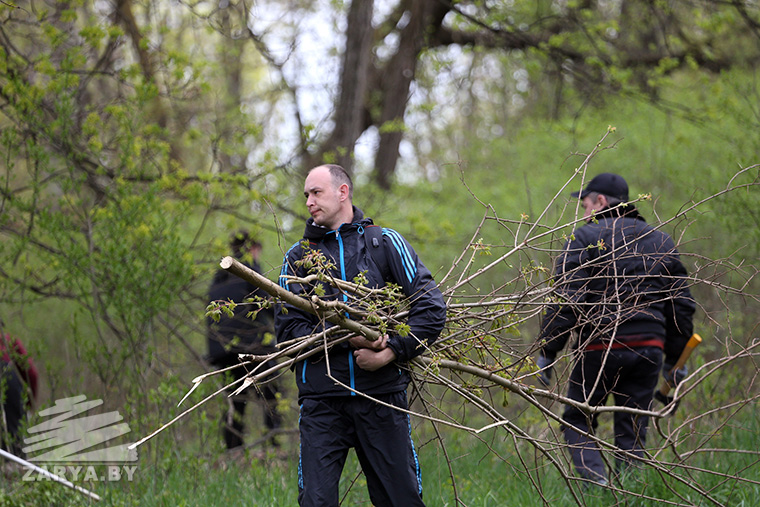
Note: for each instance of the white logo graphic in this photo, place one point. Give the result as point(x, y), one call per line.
point(64, 436)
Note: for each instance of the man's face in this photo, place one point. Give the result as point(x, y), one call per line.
point(255, 251)
point(598, 203)
point(323, 200)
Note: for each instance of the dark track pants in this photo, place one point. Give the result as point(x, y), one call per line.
point(380, 435)
point(233, 433)
point(631, 376)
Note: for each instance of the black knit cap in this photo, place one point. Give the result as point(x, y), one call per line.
point(609, 184)
point(241, 241)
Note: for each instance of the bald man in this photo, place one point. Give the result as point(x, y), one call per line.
point(335, 416)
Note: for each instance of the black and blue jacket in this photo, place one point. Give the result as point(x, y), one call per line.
point(348, 250)
point(619, 279)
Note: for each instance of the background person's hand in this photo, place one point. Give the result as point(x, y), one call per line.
point(545, 373)
point(675, 377)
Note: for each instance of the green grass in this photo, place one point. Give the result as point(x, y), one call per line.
point(488, 473)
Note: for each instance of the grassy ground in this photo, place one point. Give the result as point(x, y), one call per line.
point(487, 474)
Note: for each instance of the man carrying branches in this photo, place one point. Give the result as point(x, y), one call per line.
point(622, 288)
point(334, 389)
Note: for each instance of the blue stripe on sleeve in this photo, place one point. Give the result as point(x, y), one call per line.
point(284, 269)
point(410, 268)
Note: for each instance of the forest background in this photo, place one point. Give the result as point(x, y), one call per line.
point(137, 135)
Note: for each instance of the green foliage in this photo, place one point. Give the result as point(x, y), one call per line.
point(122, 178)
point(112, 210)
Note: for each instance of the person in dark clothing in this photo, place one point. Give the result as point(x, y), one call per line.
point(18, 391)
point(240, 334)
point(624, 291)
point(338, 416)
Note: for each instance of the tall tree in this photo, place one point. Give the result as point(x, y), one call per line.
point(582, 51)
point(124, 151)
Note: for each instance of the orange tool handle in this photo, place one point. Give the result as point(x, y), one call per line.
point(687, 350)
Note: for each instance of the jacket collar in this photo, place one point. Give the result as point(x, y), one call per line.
point(628, 211)
point(316, 233)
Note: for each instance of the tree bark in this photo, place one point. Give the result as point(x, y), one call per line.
point(240, 270)
point(348, 117)
point(395, 83)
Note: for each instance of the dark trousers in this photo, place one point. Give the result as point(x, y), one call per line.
point(232, 420)
point(381, 436)
point(12, 409)
point(630, 375)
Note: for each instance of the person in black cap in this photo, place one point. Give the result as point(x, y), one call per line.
point(606, 190)
point(625, 293)
point(239, 334)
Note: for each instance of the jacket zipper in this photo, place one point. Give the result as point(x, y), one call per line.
point(351, 378)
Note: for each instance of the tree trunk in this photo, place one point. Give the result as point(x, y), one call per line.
point(395, 83)
point(339, 148)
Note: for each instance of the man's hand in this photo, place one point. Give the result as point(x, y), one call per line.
point(545, 375)
point(372, 355)
point(675, 377)
point(360, 342)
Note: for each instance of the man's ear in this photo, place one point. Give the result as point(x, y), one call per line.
point(343, 192)
point(602, 199)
